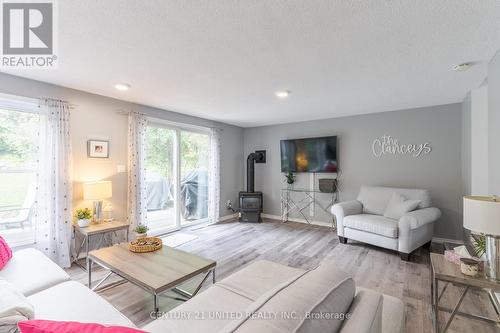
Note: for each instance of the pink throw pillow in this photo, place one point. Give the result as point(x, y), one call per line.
point(49, 326)
point(5, 252)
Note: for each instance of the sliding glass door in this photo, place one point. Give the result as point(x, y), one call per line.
point(161, 178)
point(194, 159)
point(177, 161)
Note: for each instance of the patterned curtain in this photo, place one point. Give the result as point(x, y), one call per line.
point(214, 176)
point(54, 191)
point(136, 208)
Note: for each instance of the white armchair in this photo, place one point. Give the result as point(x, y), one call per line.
point(363, 220)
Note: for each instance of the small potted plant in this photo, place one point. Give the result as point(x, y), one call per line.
point(83, 217)
point(479, 243)
point(290, 179)
point(141, 231)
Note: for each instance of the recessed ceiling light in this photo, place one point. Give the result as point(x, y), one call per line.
point(462, 67)
point(283, 94)
point(122, 86)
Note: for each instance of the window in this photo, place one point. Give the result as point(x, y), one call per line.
point(177, 161)
point(19, 123)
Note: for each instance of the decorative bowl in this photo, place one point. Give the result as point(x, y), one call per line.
point(469, 267)
point(83, 223)
point(145, 244)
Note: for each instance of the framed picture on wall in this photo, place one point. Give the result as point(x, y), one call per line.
point(98, 149)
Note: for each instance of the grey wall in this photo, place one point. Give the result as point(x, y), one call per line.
point(97, 117)
point(494, 124)
point(466, 145)
point(481, 133)
point(440, 171)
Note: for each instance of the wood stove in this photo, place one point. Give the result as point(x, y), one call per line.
point(251, 202)
point(250, 206)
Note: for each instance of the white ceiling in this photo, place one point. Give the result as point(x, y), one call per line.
point(224, 59)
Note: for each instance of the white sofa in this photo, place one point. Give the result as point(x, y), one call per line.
point(363, 220)
point(52, 293)
point(263, 288)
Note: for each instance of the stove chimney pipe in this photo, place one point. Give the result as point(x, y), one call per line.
point(257, 157)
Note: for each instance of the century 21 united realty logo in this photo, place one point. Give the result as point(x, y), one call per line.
point(28, 37)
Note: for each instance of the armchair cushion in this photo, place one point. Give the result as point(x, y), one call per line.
point(399, 205)
point(374, 224)
point(420, 217)
point(347, 208)
point(376, 198)
point(343, 209)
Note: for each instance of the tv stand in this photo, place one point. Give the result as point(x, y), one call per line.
point(299, 199)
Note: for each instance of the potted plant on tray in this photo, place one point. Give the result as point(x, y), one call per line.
point(290, 179)
point(141, 231)
point(83, 217)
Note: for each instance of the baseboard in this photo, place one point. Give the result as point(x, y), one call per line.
point(228, 217)
point(296, 219)
point(440, 240)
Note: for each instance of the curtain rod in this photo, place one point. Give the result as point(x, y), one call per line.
point(174, 123)
point(35, 99)
point(58, 99)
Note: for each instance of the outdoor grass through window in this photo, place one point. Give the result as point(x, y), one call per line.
point(18, 164)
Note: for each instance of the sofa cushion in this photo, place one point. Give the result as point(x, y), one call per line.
point(72, 301)
point(228, 298)
point(374, 224)
point(324, 290)
point(14, 307)
point(258, 278)
point(50, 326)
point(393, 315)
point(399, 205)
point(5, 252)
point(366, 313)
point(375, 198)
point(199, 313)
point(31, 271)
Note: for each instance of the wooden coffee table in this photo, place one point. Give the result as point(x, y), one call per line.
point(155, 272)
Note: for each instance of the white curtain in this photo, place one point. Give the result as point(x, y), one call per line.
point(214, 176)
point(137, 213)
point(54, 191)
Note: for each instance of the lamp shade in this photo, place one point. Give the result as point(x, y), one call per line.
point(482, 214)
point(97, 190)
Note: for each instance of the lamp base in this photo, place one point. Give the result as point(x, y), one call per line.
point(98, 211)
point(492, 267)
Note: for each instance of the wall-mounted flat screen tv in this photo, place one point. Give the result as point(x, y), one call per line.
point(309, 155)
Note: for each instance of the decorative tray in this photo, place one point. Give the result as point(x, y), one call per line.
point(145, 244)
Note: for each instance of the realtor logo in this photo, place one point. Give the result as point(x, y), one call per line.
point(28, 34)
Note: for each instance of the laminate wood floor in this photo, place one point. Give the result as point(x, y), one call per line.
point(234, 245)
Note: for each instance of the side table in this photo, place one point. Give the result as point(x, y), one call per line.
point(97, 230)
point(305, 200)
point(449, 273)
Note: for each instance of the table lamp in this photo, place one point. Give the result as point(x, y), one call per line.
point(482, 215)
point(97, 191)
